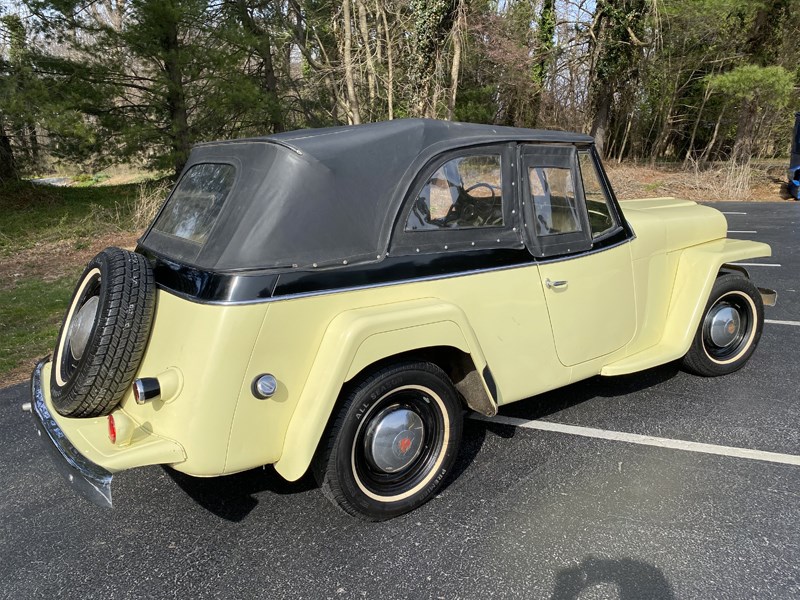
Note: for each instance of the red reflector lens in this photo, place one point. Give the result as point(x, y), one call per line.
point(112, 429)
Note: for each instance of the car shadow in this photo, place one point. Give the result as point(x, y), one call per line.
point(550, 403)
point(633, 579)
point(555, 401)
point(233, 497)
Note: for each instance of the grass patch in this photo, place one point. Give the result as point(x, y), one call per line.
point(35, 214)
point(47, 234)
point(30, 315)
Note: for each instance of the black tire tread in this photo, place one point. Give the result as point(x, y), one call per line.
point(122, 334)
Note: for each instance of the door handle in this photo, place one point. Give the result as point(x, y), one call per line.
point(555, 284)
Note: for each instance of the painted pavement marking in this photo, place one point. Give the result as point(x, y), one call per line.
point(644, 440)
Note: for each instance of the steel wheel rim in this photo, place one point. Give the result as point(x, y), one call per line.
point(427, 450)
point(394, 439)
point(82, 320)
point(727, 327)
point(81, 327)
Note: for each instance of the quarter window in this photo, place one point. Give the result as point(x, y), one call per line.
point(195, 204)
point(601, 218)
point(555, 205)
point(463, 193)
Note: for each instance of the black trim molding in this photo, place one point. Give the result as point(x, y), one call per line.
point(230, 288)
point(247, 287)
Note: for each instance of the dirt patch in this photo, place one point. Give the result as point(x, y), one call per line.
point(20, 374)
point(52, 260)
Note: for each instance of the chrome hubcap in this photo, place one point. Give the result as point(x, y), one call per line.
point(81, 327)
point(394, 439)
point(725, 324)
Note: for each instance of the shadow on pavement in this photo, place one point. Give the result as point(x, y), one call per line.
point(563, 398)
point(232, 497)
point(633, 579)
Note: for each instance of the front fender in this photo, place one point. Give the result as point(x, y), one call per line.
point(697, 270)
point(356, 339)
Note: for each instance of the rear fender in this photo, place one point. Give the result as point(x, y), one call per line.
point(353, 341)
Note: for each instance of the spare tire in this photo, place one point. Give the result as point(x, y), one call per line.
point(104, 334)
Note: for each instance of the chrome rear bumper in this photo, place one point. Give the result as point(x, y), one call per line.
point(89, 480)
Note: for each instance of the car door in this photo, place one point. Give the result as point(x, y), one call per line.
point(577, 233)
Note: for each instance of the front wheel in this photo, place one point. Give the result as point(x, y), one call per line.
point(729, 330)
point(392, 443)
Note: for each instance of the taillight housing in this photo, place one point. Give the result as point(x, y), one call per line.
point(112, 429)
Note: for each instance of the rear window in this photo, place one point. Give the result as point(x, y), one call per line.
point(194, 206)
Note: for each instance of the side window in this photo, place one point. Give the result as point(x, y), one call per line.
point(463, 193)
point(601, 219)
point(555, 205)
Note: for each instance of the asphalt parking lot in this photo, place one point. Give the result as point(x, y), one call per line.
point(530, 513)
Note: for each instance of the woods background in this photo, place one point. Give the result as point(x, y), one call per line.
point(139, 81)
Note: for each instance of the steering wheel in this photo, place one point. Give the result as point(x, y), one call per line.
point(481, 184)
point(485, 209)
point(471, 211)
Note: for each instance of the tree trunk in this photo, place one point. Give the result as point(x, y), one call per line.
point(269, 82)
point(352, 99)
point(8, 166)
point(709, 147)
point(33, 144)
point(706, 96)
point(761, 45)
point(624, 140)
point(176, 97)
point(602, 116)
point(663, 135)
point(389, 66)
point(371, 76)
point(547, 28)
point(459, 29)
point(743, 146)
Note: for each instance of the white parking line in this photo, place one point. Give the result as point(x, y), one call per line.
point(742, 231)
point(757, 264)
point(645, 440)
point(775, 322)
point(732, 213)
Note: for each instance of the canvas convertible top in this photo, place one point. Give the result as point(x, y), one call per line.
point(320, 197)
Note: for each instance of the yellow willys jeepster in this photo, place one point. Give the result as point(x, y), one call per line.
point(336, 299)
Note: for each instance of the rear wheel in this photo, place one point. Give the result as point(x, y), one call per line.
point(103, 337)
point(392, 443)
point(729, 330)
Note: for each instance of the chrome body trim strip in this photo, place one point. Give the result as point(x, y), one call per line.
point(88, 479)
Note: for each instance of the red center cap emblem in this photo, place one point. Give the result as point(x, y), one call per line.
point(404, 445)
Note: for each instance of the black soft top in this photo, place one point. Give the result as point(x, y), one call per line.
point(323, 197)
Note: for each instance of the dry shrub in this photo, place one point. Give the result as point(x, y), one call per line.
point(149, 199)
point(709, 183)
point(737, 181)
